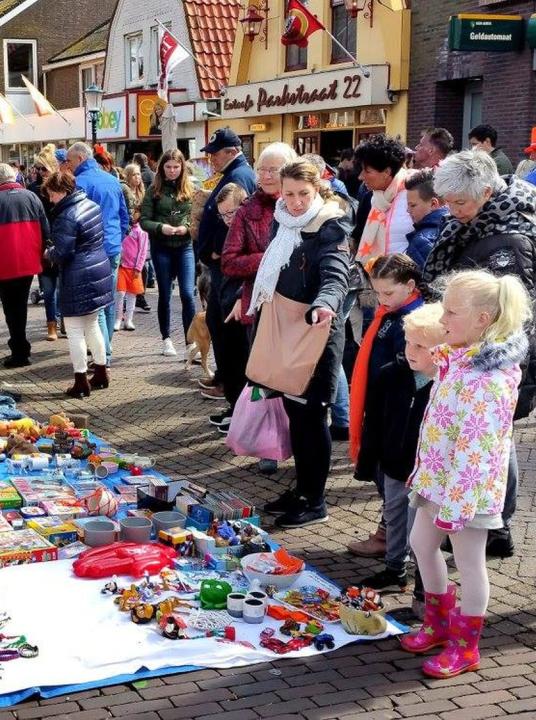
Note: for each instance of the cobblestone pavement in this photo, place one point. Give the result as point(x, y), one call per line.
point(153, 407)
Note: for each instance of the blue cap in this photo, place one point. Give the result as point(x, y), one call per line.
point(223, 138)
point(61, 155)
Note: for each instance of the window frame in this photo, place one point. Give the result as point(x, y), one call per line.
point(88, 66)
point(154, 52)
point(33, 79)
point(298, 65)
point(138, 82)
point(339, 60)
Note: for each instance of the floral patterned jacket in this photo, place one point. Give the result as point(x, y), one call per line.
point(464, 445)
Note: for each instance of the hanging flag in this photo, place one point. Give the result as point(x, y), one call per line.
point(171, 54)
point(7, 116)
point(299, 25)
point(41, 104)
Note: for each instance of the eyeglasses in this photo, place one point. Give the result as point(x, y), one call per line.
point(268, 171)
point(229, 215)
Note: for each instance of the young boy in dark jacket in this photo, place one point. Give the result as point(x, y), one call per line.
point(393, 415)
point(427, 213)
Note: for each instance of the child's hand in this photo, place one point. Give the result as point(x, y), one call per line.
point(321, 317)
point(181, 230)
point(136, 274)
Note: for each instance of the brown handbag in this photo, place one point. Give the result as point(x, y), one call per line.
point(286, 349)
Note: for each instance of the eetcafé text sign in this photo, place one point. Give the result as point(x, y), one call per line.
point(345, 88)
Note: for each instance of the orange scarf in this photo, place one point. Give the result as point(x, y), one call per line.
point(358, 389)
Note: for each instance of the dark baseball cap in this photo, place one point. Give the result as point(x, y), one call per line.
point(223, 138)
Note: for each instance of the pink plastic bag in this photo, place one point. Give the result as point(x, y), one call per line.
point(259, 428)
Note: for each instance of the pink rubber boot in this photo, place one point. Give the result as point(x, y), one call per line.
point(462, 653)
point(434, 631)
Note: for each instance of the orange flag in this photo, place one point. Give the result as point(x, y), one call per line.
point(42, 106)
point(7, 115)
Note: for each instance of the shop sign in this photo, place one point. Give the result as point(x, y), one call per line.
point(489, 33)
point(112, 119)
point(318, 91)
point(150, 108)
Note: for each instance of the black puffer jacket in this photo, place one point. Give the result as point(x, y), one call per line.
point(502, 239)
point(317, 274)
point(78, 250)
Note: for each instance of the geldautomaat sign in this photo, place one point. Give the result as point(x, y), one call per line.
point(489, 33)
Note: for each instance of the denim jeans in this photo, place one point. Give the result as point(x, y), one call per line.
point(107, 314)
point(398, 522)
point(49, 288)
point(170, 264)
point(341, 406)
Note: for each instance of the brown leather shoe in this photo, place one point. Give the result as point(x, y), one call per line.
point(372, 547)
point(100, 379)
point(214, 393)
point(81, 387)
point(52, 330)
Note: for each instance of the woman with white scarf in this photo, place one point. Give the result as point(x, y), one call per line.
point(307, 261)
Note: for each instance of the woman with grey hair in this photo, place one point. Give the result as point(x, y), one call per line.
point(492, 225)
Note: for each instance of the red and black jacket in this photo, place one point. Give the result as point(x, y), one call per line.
point(23, 230)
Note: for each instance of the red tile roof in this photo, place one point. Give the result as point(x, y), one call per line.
point(212, 27)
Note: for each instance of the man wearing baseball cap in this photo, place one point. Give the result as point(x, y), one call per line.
point(225, 152)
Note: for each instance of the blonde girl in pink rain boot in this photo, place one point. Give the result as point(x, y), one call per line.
point(459, 481)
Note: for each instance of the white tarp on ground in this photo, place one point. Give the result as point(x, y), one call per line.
point(83, 637)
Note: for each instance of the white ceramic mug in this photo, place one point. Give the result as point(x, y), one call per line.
point(235, 604)
point(253, 610)
point(258, 595)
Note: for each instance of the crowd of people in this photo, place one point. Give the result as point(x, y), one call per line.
point(389, 305)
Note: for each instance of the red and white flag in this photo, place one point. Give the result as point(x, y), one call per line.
point(299, 25)
point(171, 54)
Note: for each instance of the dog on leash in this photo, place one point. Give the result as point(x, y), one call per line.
point(198, 336)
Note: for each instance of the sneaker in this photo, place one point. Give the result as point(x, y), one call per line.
point(386, 580)
point(215, 393)
point(167, 349)
point(283, 504)
point(267, 467)
point(372, 547)
point(151, 284)
point(500, 543)
point(117, 325)
point(142, 304)
point(206, 383)
point(221, 419)
point(223, 429)
point(129, 325)
point(302, 514)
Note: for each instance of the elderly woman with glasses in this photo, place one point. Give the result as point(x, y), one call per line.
point(492, 225)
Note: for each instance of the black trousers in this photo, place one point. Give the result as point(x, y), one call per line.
point(311, 447)
point(14, 296)
point(214, 319)
point(234, 358)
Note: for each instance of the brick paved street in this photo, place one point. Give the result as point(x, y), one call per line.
point(153, 407)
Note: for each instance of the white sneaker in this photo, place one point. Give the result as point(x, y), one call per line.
point(117, 325)
point(129, 325)
point(167, 349)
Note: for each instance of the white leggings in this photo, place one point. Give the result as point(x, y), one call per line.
point(469, 548)
point(130, 305)
point(80, 330)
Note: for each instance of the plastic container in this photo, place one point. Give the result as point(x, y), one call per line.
point(167, 519)
point(99, 532)
point(135, 529)
point(279, 581)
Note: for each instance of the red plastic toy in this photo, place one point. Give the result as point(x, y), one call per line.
point(124, 558)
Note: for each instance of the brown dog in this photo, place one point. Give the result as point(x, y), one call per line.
point(198, 338)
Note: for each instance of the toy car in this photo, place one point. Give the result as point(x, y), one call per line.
point(324, 640)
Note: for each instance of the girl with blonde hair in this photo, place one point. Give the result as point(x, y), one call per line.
point(459, 481)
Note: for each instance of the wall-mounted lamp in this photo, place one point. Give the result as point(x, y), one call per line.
point(354, 7)
point(255, 21)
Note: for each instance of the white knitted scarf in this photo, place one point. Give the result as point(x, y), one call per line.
point(277, 255)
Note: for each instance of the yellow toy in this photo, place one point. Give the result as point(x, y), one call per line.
point(26, 427)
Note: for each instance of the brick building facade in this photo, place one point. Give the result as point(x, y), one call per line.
point(457, 90)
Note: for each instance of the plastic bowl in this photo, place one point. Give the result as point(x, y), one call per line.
point(279, 581)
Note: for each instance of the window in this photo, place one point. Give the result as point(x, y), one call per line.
point(19, 59)
point(90, 75)
point(134, 58)
point(295, 57)
point(344, 28)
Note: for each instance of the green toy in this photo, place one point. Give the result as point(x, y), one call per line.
point(213, 594)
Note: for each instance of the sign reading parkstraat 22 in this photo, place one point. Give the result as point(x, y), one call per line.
point(316, 91)
point(490, 33)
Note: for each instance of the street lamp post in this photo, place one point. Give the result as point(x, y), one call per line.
point(93, 96)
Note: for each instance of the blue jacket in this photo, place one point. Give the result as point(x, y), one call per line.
point(105, 190)
point(424, 237)
point(531, 177)
point(85, 274)
point(212, 230)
